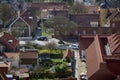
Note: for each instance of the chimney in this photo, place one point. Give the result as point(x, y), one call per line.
point(18, 13)
point(103, 13)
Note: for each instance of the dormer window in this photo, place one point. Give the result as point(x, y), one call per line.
point(30, 17)
point(10, 41)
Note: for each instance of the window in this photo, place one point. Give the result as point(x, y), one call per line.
point(94, 23)
point(84, 32)
point(113, 24)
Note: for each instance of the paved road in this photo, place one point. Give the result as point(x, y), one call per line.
point(80, 66)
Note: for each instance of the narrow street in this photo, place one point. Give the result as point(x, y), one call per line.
point(80, 66)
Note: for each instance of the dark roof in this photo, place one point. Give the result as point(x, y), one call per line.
point(30, 16)
point(113, 3)
point(83, 20)
point(60, 13)
point(49, 5)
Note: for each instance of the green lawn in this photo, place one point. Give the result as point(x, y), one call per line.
point(56, 60)
point(46, 34)
point(51, 51)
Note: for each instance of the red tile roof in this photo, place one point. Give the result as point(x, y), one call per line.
point(93, 62)
point(28, 55)
point(29, 16)
point(11, 55)
point(8, 40)
point(114, 42)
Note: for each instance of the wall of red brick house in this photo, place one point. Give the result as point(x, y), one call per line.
point(28, 61)
point(113, 66)
point(3, 69)
point(84, 43)
point(115, 26)
point(102, 74)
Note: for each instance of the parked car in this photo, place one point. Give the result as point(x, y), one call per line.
point(42, 38)
point(62, 46)
point(83, 76)
point(74, 46)
point(83, 59)
point(82, 56)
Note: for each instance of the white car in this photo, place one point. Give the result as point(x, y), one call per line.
point(62, 46)
point(74, 46)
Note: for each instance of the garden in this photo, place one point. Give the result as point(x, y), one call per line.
point(51, 66)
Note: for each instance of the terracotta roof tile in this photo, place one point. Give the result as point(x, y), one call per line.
point(29, 55)
point(114, 42)
point(11, 55)
point(93, 62)
point(6, 38)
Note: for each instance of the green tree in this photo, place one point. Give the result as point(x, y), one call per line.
point(78, 8)
point(69, 2)
point(61, 25)
point(61, 68)
point(6, 13)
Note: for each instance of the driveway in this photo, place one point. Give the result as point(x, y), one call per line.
point(80, 67)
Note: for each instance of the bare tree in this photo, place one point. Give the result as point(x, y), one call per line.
point(6, 13)
point(61, 25)
point(78, 8)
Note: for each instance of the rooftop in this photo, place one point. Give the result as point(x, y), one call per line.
point(28, 55)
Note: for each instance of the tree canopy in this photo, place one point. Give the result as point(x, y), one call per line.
point(6, 13)
point(78, 8)
point(69, 2)
point(61, 25)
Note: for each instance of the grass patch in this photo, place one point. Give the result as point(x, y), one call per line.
point(46, 34)
point(56, 60)
point(51, 51)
